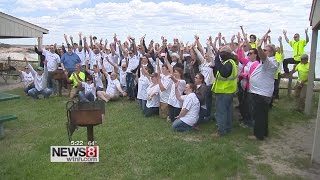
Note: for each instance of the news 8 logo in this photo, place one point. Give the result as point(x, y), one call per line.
point(74, 153)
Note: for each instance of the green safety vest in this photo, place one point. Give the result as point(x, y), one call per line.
point(226, 85)
point(298, 48)
point(253, 45)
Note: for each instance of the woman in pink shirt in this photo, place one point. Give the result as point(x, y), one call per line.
point(249, 64)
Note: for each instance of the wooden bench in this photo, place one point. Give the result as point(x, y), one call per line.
point(3, 119)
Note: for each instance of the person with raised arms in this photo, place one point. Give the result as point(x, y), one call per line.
point(113, 88)
point(40, 76)
point(298, 49)
point(261, 86)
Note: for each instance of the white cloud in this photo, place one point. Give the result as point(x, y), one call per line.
point(55, 5)
point(171, 19)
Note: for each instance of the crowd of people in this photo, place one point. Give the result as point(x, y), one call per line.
point(186, 84)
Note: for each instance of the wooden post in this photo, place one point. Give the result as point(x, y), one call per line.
point(90, 133)
point(289, 86)
point(315, 155)
point(312, 60)
point(39, 47)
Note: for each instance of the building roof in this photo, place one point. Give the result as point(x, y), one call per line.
point(12, 27)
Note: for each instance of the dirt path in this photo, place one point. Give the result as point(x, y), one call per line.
point(4, 87)
point(290, 153)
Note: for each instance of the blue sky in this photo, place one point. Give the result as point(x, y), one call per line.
point(173, 19)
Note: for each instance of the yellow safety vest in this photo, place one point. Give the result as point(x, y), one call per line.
point(253, 45)
point(226, 85)
point(303, 71)
point(298, 48)
point(279, 57)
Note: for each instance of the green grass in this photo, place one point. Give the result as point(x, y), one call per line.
point(131, 146)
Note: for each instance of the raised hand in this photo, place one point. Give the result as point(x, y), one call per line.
point(233, 38)
point(269, 31)
point(284, 32)
point(306, 30)
point(280, 38)
point(238, 35)
point(71, 37)
point(219, 35)
point(80, 34)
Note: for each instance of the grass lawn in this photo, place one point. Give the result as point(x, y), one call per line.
point(131, 146)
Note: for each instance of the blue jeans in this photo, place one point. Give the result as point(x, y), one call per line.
point(52, 83)
point(180, 126)
point(224, 108)
point(130, 85)
point(26, 89)
point(34, 93)
point(142, 104)
point(86, 97)
point(209, 100)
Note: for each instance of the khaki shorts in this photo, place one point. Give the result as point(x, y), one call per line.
point(163, 110)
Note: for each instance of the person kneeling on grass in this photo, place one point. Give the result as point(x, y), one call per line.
point(189, 113)
point(27, 78)
point(89, 92)
point(76, 76)
point(40, 81)
point(113, 88)
point(153, 96)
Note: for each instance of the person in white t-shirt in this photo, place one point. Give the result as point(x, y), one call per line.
point(153, 97)
point(143, 83)
point(189, 113)
point(40, 76)
point(165, 84)
point(174, 104)
point(97, 75)
point(27, 78)
point(206, 69)
point(121, 71)
point(89, 92)
point(261, 86)
point(113, 88)
point(53, 61)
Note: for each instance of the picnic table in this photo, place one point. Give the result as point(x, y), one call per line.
point(5, 118)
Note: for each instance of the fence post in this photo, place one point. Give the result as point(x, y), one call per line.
point(289, 86)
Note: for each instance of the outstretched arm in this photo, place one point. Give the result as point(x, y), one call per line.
point(285, 36)
point(281, 45)
point(307, 37)
point(261, 53)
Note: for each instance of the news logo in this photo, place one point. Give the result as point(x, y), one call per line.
point(74, 153)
